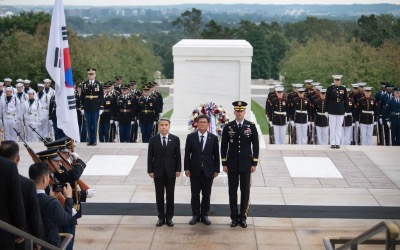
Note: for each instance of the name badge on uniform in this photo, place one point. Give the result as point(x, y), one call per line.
point(305, 102)
point(283, 103)
point(96, 89)
point(350, 103)
point(341, 91)
point(151, 104)
point(372, 102)
point(129, 102)
point(108, 102)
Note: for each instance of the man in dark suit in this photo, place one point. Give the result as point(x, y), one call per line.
point(164, 165)
point(11, 204)
point(10, 150)
point(239, 155)
point(53, 214)
point(202, 166)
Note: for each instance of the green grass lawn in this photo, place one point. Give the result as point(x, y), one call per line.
point(259, 112)
point(168, 114)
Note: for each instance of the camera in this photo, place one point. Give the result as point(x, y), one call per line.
point(58, 186)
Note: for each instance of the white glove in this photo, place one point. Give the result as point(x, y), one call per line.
point(270, 124)
point(74, 212)
point(308, 123)
point(100, 112)
point(357, 124)
point(374, 123)
point(132, 122)
point(74, 156)
point(51, 122)
point(83, 112)
point(313, 124)
point(90, 193)
point(326, 114)
point(111, 121)
point(116, 123)
point(380, 121)
point(353, 124)
point(291, 123)
point(388, 123)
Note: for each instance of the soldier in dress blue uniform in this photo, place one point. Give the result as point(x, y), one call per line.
point(118, 84)
point(159, 105)
point(92, 105)
point(378, 96)
point(300, 116)
point(135, 94)
point(335, 104)
point(348, 135)
point(278, 113)
point(239, 155)
point(81, 119)
point(392, 117)
point(107, 117)
point(367, 114)
point(125, 114)
point(146, 112)
point(383, 101)
point(321, 119)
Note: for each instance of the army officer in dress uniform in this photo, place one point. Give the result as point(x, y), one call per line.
point(124, 115)
point(392, 117)
point(146, 112)
point(239, 155)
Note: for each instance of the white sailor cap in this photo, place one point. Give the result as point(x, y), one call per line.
point(362, 84)
point(367, 88)
point(354, 85)
point(302, 89)
point(318, 87)
point(40, 85)
point(7, 79)
point(337, 77)
point(308, 81)
point(1, 83)
point(297, 85)
point(19, 80)
point(323, 91)
point(19, 85)
point(46, 80)
point(27, 81)
point(31, 91)
point(315, 83)
point(279, 89)
point(9, 89)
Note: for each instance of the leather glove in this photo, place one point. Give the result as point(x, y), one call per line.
point(132, 122)
point(111, 121)
point(116, 123)
point(291, 123)
point(388, 123)
point(374, 123)
point(357, 124)
point(100, 112)
point(51, 122)
point(90, 193)
point(380, 121)
point(270, 124)
point(83, 112)
point(74, 156)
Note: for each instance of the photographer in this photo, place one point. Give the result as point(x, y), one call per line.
point(53, 214)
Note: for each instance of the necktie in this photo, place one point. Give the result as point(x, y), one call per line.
point(240, 126)
point(201, 142)
point(164, 143)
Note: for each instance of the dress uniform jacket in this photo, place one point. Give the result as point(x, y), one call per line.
point(270, 96)
point(52, 109)
point(78, 106)
point(393, 112)
point(92, 96)
point(349, 117)
point(147, 110)
point(278, 109)
point(367, 110)
point(125, 109)
point(300, 110)
point(109, 109)
point(336, 100)
point(319, 113)
point(239, 147)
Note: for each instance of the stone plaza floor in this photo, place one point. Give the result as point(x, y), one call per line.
point(310, 176)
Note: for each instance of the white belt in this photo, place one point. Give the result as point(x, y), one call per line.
point(279, 113)
point(318, 113)
point(301, 111)
point(368, 112)
point(349, 114)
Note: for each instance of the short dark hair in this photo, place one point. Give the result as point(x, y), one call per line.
point(203, 117)
point(38, 170)
point(9, 149)
point(165, 119)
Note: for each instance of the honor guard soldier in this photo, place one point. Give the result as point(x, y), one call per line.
point(7, 83)
point(22, 97)
point(81, 118)
point(118, 84)
point(300, 113)
point(45, 102)
point(335, 104)
point(270, 96)
point(107, 118)
point(146, 113)
point(384, 100)
point(125, 114)
point(27, 86)
point(392, 117)
point(58, 133)
point(360, 94)
point(354, 90)
point(32, 116)
point(367, 114)
point(1, 89)
point(10, 114)
point(278, 108)
point(239, 156)
point(309, 87)
point(47, 88)
point(92, 105)
point(348, 135)
point(135, 93)
point(378, 96)
point(159, 105)
point(321, 119)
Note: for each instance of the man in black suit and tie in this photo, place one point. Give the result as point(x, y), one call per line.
point(11, 205)
point(164, 165)
point(202, 166)
point(10, 150)
point(239, 155)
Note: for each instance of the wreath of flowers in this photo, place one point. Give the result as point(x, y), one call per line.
point(218, 117)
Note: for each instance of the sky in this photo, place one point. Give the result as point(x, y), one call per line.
point(167, 2)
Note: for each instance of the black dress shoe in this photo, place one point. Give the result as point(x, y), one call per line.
point(170, 223)
point(206, 220)
point(337, 146)
point(94, 143)
point(234, 223)
point(194, 220)
point(89, 143)
point(243, 223)
point(333, 146)
point(160, 222)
